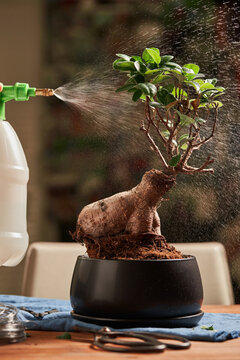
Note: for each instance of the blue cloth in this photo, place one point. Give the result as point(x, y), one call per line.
point(226, 326)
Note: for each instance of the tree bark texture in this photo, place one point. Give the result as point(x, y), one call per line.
point(126, 225)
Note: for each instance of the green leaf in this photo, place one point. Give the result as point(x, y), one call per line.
point(203, 102)
point(199, 75)
point(173, 66)
point(136, 95)
point(131, 82)
point(184, 119)
point(152, 65)
point(166, 58)
point(188, 71)
point(221, 89)
point(155, 104)
point(148, 72)
point(179, 92)
point(139, 78)
point(204, 327)
point(194, 84)
point(206, 86)
point(199, 81)
point(132, 90)
point(164, 97)
point(169, 87)
point(125, 87)
point(144, 88)
point(211, 81)
point(124, 57)
point(66, 335)
point(162, 79)
point(218, 94)
point(211, 92)
point(215, 104)
point(175, 160)
point(143, 97)
point(147, 88)
point(203, 98)
point(140, 66)
point(152, 89)
point(176, 74)
point(183, 137)
point(137, 65)
point(193, 67)
point(166, 134)
point(151, 54)
point(136, 57)
point(123, 65)
point(184, 146)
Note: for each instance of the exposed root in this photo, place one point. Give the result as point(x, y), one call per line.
point(127, 246)
point(126, 225)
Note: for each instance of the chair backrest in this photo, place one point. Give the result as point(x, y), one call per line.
point(49, 268)
point(213, 266)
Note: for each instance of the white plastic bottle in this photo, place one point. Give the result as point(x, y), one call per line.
point(14, 176)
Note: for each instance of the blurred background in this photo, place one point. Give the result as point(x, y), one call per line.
point(72, 162)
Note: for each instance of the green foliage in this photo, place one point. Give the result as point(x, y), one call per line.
point(66, 335)
point(175, 160)
point(158, 75)
point(210, 328)
point(151, 55)
point(179, 92)
point(165, 97)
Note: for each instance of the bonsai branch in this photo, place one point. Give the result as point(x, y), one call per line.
point(162, 120)
point(197, 145)
point(192, 170)
point(154, 146)
point(194, 141)
point(194, 144)
point(146, 130)
point(151, 121)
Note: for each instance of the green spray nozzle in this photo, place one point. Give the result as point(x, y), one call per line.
point(19, 92)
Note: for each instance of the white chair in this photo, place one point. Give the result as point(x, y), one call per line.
point(49, 268)
point(213, 266)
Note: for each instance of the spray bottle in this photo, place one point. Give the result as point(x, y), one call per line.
point(14, 176)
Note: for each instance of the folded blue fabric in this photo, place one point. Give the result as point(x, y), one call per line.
point(226, 326)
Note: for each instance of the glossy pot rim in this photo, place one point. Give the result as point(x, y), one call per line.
point(185, 258)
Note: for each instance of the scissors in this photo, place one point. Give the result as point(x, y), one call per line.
point(109, 340)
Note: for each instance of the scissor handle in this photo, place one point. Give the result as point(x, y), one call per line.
point(151, 341)
point(185, 343)
point(149, 344)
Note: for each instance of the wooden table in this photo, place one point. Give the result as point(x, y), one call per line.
point(45, 345)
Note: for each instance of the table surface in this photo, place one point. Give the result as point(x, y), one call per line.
point(45, 345)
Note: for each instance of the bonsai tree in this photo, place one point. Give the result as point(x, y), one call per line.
point(179, 106)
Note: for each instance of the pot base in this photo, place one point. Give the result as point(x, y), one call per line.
point(174, 322)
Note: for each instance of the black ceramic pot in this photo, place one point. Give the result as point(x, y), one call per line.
point(136, 289)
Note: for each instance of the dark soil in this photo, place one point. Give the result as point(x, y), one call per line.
point(126, 246)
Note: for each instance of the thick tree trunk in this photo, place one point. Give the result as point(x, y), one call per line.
point(127, 225)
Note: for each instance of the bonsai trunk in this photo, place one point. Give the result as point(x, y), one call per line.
point(127, 225)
